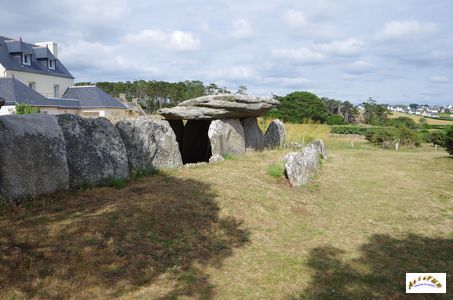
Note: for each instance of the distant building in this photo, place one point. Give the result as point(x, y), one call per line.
point(32, 74)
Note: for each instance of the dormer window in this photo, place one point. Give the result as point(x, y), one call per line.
point(26, 59)
point(51, 64)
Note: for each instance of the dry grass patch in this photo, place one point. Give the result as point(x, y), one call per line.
point(417, 118)
point(230, 230)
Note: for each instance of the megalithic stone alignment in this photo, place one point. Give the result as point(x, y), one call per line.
point(42, 154)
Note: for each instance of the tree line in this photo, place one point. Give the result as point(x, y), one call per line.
point(296, 107)
point(154, 95)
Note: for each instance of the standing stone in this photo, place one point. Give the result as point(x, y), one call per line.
point(275, 135)
point(320, 147)
point(301, 166)
point(2, 102)
point(227, 137)
point(95, 150)
point(32, 156)
point(196, 147)
point(254, 138)
point(150, 144)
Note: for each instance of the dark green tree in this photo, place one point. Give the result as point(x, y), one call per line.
point(375, 114)
point(300, 107)
point(449, 140)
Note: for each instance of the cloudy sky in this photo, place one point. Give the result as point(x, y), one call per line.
point(394, 51)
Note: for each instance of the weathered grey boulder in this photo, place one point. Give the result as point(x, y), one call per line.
point(32, 156)
point(222, 106)
point(254, 138)
point(95, 150)
point(227, 137)
point(275, 135)
point(300, 166)
point(321, 148)
point(150, 144)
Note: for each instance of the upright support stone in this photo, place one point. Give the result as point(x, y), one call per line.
point(196, 145)
point(275, 135)
point(95, 150)
point(254, 138)
point(150, 144)
point(32, 156)
point(227, 137)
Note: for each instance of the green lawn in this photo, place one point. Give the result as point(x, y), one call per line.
point(232, 231)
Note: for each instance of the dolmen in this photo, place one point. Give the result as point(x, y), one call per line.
point(219, 125)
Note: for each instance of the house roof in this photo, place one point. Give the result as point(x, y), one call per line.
point(92, 97)
point(43, 53)
point(9, 49)
point(14, 92)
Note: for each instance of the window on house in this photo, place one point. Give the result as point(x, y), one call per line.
point(56, 91)
point(26, 59)
point(52, 64)
point(32, 85)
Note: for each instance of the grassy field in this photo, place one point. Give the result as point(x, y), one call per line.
point(232, 231)
point(417, 118)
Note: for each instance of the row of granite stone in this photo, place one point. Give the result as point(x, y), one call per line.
point(42, 154)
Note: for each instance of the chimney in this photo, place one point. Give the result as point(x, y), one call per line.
point(53, 47)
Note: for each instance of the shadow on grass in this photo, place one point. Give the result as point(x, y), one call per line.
point(380, 271)
point(106, 242)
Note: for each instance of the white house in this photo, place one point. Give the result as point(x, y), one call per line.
point(38, 68)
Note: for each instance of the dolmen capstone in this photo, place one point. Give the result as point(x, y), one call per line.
point(150, 144)
point(301, 165)
point(218, 125)
point(95, 150)
point(32, 156)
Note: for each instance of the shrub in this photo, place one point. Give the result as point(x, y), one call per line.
point(360, 130)
point(276, 169)
point(436, 137)
point(449, 140)
point(401, 122)
point(25, 109)
point(387, 137)
point(335, 120)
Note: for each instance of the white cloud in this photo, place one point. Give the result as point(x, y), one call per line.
point(295, 18)
point(176, 40)
point(302, 25)
point(291, 82)
point(359, 67)
point(241, 29)
point(238, 72)
point(181, 40)
point(349, 46)
point(439, 79)
point(301, 55)
point(396, 30)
